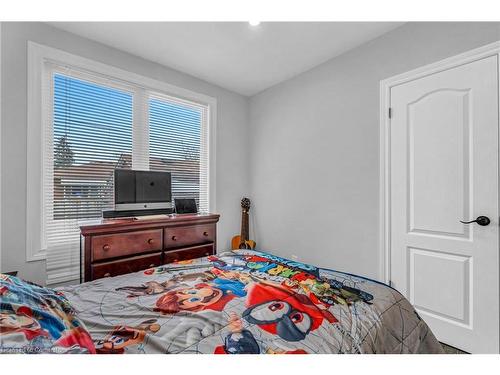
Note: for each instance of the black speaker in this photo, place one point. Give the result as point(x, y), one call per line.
point(185, 206)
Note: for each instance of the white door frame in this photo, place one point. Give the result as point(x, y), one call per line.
point(385, 157)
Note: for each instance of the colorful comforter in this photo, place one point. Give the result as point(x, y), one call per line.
point(248, 302)
point(36, 320)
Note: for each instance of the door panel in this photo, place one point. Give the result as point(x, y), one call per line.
point(444, 168)
point(452, 274)
point(447, 167)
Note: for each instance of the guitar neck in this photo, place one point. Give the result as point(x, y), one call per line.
point(244, 226)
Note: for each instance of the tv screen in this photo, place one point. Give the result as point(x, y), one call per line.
point(142, 189)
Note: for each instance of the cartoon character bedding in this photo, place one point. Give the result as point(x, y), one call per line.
point(35, 320)
point(247, 302)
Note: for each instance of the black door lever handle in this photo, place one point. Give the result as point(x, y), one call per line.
point(480, 220)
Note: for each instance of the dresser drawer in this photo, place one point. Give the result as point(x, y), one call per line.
point(188, 253)
point(192, 235)
point(122, 244)
point(121, 267)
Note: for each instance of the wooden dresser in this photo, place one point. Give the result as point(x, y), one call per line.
point(112, 247)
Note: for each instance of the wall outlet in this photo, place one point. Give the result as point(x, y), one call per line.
point(295, 257)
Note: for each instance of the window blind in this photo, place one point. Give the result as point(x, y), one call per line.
point(177, 143)
point(90, 136)
point(95, 125)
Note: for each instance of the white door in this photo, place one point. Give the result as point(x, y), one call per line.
point(444, 168)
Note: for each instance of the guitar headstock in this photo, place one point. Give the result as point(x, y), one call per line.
point(245, 204)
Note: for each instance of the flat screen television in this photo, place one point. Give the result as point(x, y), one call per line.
point(142, 190)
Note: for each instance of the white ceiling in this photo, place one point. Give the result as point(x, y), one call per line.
point(234, 55)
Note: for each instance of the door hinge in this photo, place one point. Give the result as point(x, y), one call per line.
point(390, 112)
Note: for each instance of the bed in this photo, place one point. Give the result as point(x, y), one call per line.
point(247, 302)
point(237, 302)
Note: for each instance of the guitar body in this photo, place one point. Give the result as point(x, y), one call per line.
point(236, 243)
point(242, 241)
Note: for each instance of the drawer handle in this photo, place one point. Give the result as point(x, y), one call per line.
point(174, 238)
point(207, 253)
point(151, 265)
point(106, 247)
point(205, 234)
point(107, 274)
point(151, 241)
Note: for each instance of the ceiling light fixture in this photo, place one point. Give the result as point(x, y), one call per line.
point(254, 23)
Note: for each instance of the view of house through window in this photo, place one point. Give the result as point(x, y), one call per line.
point(174, 145)
point(92, 134)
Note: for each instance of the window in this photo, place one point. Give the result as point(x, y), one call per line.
point(93, 123)
point(91, 136)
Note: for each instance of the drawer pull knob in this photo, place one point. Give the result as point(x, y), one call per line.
point(174, 238)
point(151, 241)
point(106, 247)
point(205, 234)
point(151, 265)
point(207, 253)
point(107, 274)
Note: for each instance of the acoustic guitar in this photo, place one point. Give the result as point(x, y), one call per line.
point(242, 241)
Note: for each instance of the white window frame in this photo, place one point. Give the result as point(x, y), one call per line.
point(38, 121)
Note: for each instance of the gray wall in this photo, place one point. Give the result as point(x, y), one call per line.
point(314, 157)
point(232, 152)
